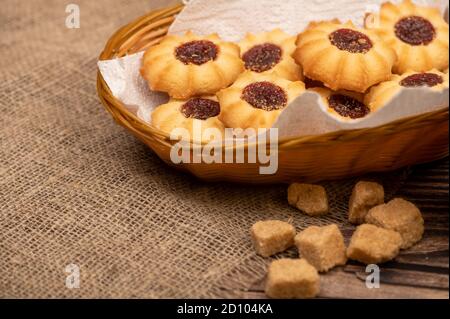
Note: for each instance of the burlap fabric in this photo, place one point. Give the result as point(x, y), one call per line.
point(75, 188)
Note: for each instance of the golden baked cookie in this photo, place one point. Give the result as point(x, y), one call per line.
point(343, 105)
point(382, 93)
point(256, 100)
point(419, 35)
point(270, 52)
point(197, 112)
point(343, 57)
point(190, 65)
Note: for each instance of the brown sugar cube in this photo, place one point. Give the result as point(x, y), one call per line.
point(365, 195)
point(272, 236)
point(292, 278)
point(310, 199)
point(373, 245)
point(322, 247)
point(399, 215)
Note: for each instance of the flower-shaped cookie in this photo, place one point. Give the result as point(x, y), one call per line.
point(256, 100)
point(419, 35)
point(343, 57)
point(190, 65)
point(196, 113)
point(343, 105)
point(270, 52)
point(382, 93)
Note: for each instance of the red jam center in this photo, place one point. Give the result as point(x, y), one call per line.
point(262, 57)
point(200, 109)
point(415, 30)
point(310, 83)
point(347, 106)
point(196, 52)
point(422, 79)
point(351, 41)
point(265, 96)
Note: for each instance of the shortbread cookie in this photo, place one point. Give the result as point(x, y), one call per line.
point(256, 100)
point(343, 56)
point(271, 52)
point(191, 65)
point(382, 93)
point(197, 117)
point(343, 105)
point(419, 35)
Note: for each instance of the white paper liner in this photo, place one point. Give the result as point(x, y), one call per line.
point(231, 19)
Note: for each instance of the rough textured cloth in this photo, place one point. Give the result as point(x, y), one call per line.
point(75, 188)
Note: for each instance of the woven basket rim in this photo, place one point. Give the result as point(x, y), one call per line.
point(109, 101)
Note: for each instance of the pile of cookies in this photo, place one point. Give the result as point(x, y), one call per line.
point(382, 231)
point(247, 85)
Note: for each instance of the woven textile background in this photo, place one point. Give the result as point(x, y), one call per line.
point(75, 188)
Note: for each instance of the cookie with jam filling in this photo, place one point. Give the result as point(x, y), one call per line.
point(191, 65)
point(419, 35)
point(343, 57)
point(256, 100)
point(344, 105)
point(382, 93)
point(196, 112)
point(270, 52)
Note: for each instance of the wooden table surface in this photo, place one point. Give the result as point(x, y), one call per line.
point(419, 272)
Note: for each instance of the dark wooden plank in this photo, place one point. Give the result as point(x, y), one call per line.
point(412, 278)
point(437, 191)
point(419, 272)
point(431, 179)
point(433, 259)
point(340, 284)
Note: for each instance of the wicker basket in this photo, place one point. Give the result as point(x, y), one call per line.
point(336, 155)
